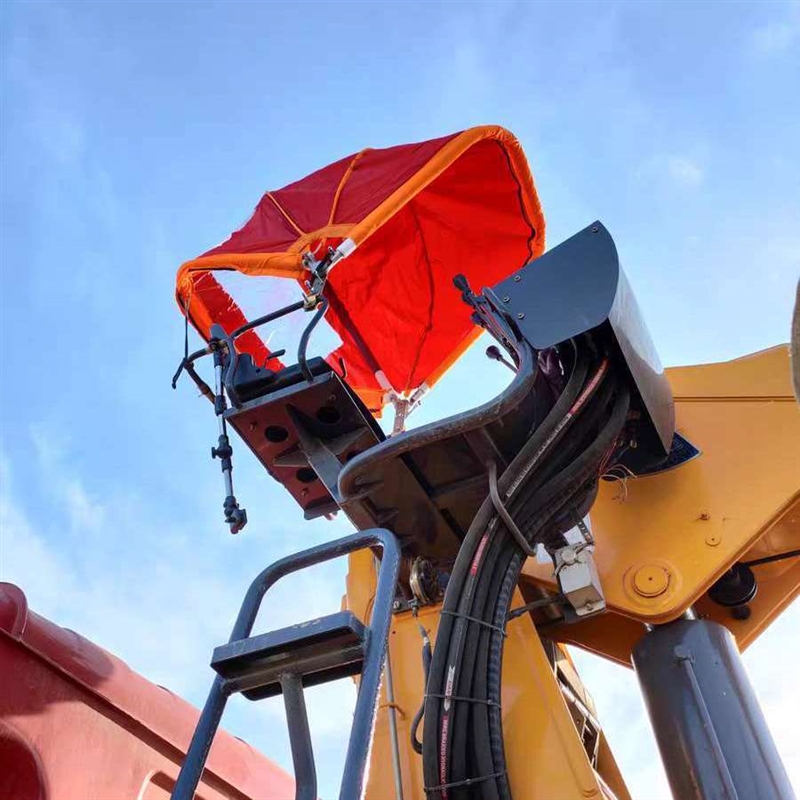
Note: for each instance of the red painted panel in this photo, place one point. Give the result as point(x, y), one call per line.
point(77, 722)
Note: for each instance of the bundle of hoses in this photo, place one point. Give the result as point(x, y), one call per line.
point(549, 484)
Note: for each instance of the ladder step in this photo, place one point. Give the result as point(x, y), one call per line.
point(319, 651)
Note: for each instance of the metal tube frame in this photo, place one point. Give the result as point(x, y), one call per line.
point(294, 702)
point(374, 653)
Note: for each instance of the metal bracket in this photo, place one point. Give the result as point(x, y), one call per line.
point(578, 580)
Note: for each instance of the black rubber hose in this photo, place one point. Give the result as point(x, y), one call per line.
point(470, 655)
point(301, 350)
point(482, 731)
point(427, 655)
point(584, 470)
point(450, 634)
point(455, 585)
point(480, 726)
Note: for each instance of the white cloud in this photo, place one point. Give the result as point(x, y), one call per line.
point(22, 550)
point(83, 511)
point(146, 592)
point(684, 171)
point(672, 171)
point(54, 125)
point(775, 38)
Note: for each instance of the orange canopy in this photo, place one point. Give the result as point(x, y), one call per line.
point(411, 217)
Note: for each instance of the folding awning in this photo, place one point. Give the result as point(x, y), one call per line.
point(412, 217)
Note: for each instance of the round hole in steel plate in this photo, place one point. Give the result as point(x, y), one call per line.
point(276, 434)
point(328, 415)
point(306, 475)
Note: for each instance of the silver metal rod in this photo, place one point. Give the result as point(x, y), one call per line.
point(393, 736)
point(398, 776)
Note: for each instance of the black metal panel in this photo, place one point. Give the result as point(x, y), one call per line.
point(579, 286)
point(708, 724)
point(448, 460)
point(320, 650)
point(682, 450)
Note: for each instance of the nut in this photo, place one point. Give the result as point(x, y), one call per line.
point(568, 555)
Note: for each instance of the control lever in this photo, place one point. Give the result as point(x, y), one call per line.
point(235, 517)
point(467, 295)
point(493, 352)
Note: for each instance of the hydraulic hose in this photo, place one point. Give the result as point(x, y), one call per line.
point(463, 754)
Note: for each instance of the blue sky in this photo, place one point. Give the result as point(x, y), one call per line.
point(136, 135)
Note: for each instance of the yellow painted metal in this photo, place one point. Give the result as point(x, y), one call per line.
point(778, 582)
point(545, 756)
point(662, 540)
point(651, 580)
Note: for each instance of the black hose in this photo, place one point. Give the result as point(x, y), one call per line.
point(462, 744)
point(449, 637)
point(427, 655)
point(322, 304)
point(585, 469)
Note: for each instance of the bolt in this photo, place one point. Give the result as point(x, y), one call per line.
point(741, 612)
point(588, 605)
point(520, 315)
point(568, 555)
point(506, 298)
point(595, 229)
point(396, 605)
point(517, 278)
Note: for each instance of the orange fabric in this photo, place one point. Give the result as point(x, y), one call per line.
point(328, 233)
point(345, 177)
point(459, 351)
point(419, 214)
point(286, 215)
point(443, 159)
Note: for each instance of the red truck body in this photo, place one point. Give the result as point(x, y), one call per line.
point(76, 723)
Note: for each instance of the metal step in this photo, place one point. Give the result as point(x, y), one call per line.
point(288, 660)
point(317, 651)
